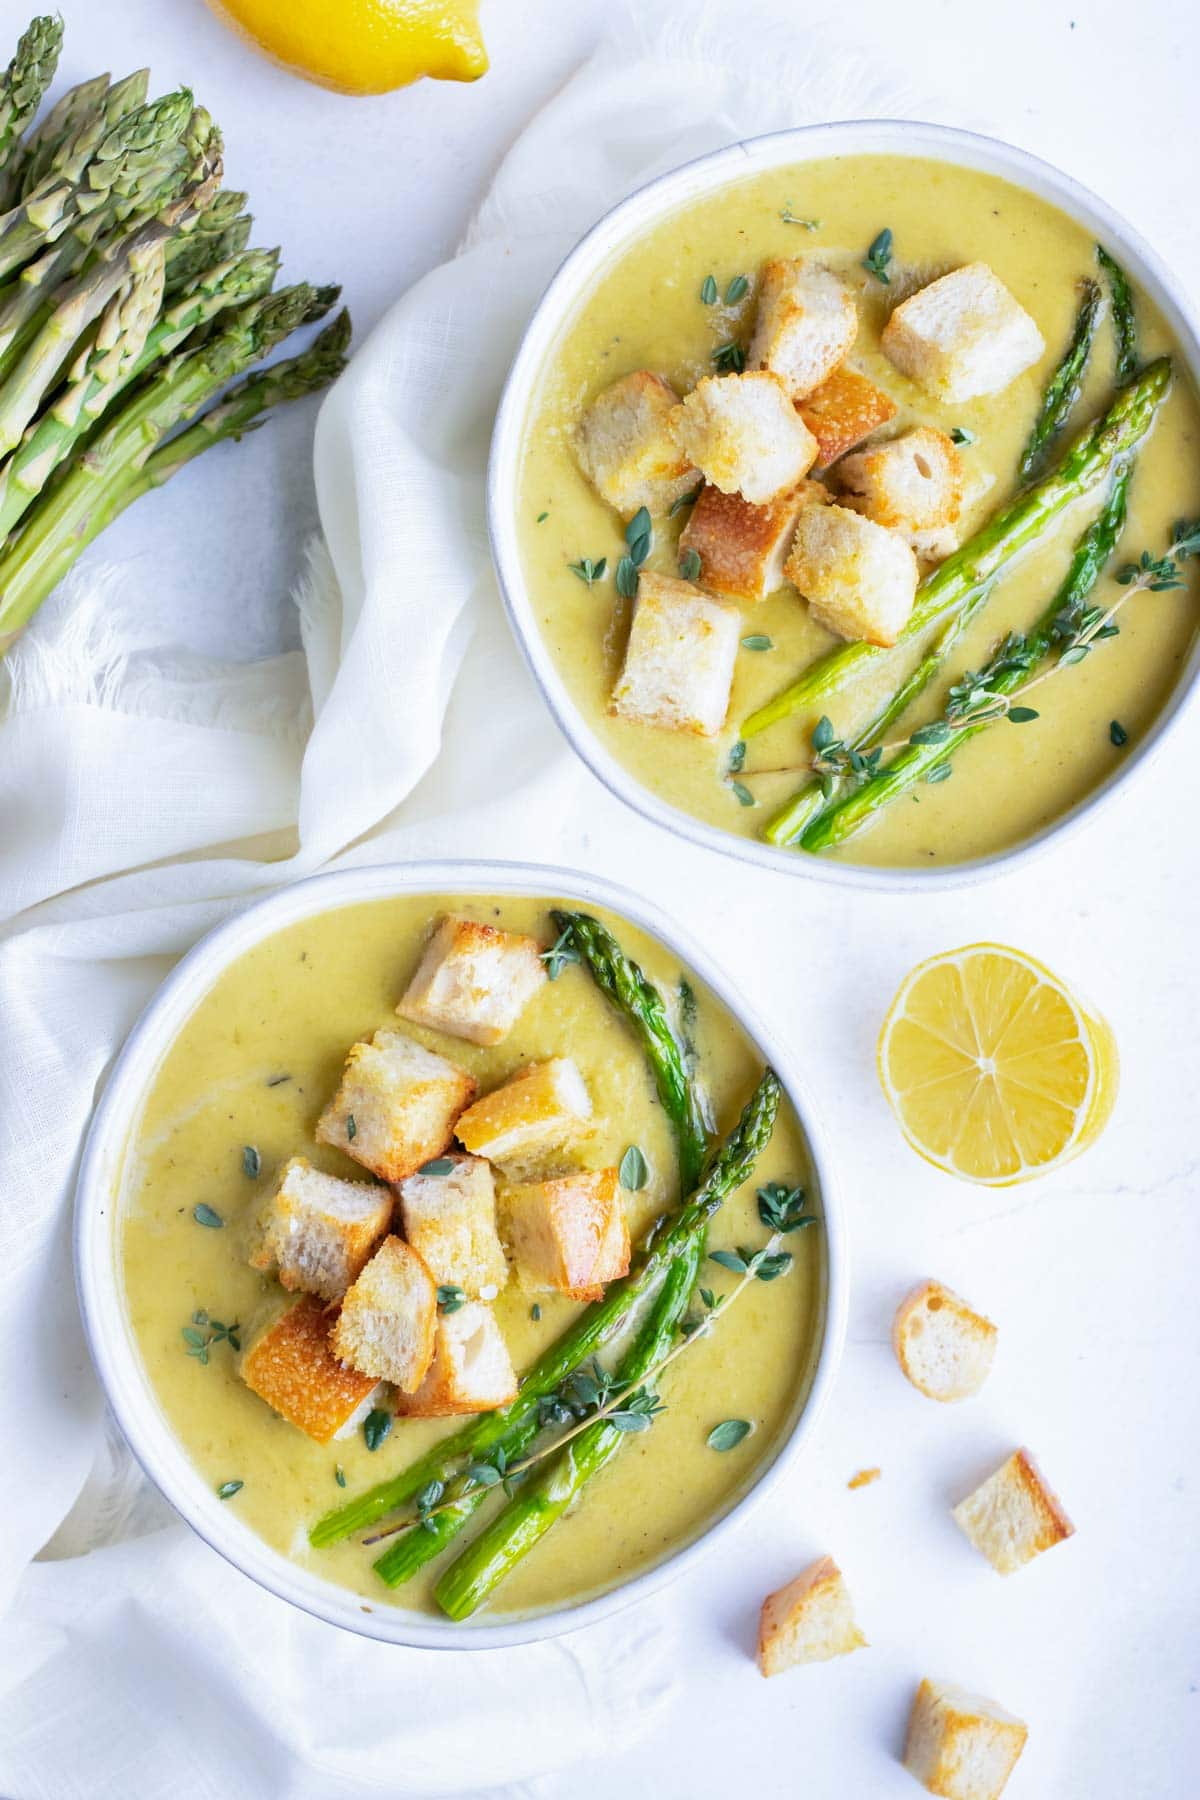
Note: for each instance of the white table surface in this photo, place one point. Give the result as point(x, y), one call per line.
point(1091, 1275)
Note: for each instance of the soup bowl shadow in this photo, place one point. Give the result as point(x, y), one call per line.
point(110, 1336)
point(607, 240)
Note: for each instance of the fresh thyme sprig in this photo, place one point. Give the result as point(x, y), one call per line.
point(561, 952)
point(203, 1333)
point(589, 569)
point(594, 1394)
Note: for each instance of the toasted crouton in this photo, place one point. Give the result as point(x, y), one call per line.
point(912, 483)
point(1014, 1515)
point(627, 450)
point(567, 1236)
point(473, 981)
point(450, 1220)
point(807, 321)
point(471, 1371)
point(742, 548)
point(319, 1231)
point(745, 435)
point(859, 579)
point(962, 335)
point(291, 1364)
point(809, 1620)
point(388, 1318)
point(844, 410)
point(678, 667)
point(943, 1347)
point(539, 1109)
point(396, 1106)
point(961, 1746)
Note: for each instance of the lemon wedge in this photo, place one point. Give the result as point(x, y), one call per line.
point(365, 46)
point(995, 1070)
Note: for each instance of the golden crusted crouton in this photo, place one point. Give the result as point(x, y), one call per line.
point(471, 1371)
point(912, 483)
point(567, 1236)
point(679, 659)
point(319, 1231)
point(1014, 1515)
point(627, 450)
point(961, 1746)
point(396, 1106)
point(388, 1318)
point(859, 579)
point(473, 981)
point(542, 1107)
point(449, 1214)
point(807, 321)
point(745, 435)
point(962, 335)
point(742, 548)
point(293, 1367)
point(943, 1347)
point(809, 1620)
point(844, 410)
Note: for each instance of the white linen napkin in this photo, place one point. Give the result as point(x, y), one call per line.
point(144, 794)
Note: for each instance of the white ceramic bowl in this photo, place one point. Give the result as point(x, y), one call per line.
point(607, 240)
point(115, 1351)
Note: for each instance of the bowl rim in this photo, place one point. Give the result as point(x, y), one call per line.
point(613, 232)
point(110, 1337)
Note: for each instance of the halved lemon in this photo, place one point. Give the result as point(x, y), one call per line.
point(995, 1070)
point(365, 46)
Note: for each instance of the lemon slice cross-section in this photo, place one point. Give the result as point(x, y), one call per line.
point(995, 1070)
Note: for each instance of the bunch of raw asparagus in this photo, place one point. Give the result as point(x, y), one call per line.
point(128, 300)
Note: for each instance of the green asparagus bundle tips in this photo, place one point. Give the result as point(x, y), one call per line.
point(1063, 388)
point(24, 82)
point(115, 169)
point(733, 1164)
point(1088, 463)
point(128, 300)
point(108, 364)
point(916, 762)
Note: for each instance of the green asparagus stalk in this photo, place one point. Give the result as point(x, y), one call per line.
point(24, 82)
point(732, 1165)
point(133, 145)
point(1124, 316)
point(79, 506)
point(807, 805)
point(618, 976)
point(540, 1502)
point(1063, 388)
point(30, 164)
point(113, 361)
point(914, 763)
point(1089, 461)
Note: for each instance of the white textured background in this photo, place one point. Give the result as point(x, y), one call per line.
point(1092, 1276)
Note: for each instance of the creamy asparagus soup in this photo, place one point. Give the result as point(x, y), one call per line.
point(943, 339)
point(272, 1278)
